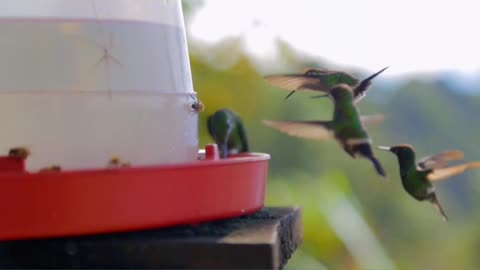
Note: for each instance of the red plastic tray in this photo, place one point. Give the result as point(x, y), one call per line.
point(41, 205)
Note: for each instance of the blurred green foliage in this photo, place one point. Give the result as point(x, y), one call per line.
point(352, 218)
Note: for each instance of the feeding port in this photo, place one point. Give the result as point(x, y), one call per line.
point(86, 80)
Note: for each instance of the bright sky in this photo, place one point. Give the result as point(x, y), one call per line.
point(409, 36)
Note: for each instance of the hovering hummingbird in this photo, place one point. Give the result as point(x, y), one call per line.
point(228, 131)
point(417, 178)
point(347, 127)
point(321, 80)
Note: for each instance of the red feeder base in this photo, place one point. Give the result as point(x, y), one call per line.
point(40, 205)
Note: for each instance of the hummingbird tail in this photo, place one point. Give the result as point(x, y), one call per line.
point(378, 166)
point(365, 150)
point(437, 204)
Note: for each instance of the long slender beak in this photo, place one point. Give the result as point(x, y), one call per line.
point(320, 96)
point(290, 94)
point(375, 75)
point(385, 148)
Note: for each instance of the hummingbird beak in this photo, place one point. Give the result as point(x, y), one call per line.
point(385, 148)
point(375, 75)
point(291, 93)
point(320, 96)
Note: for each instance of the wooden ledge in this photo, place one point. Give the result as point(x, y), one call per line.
point(264, 240)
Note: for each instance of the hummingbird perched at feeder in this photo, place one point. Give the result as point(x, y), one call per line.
point(323, 81)
point(228, 131)
point(347, 127)
point(417, 178)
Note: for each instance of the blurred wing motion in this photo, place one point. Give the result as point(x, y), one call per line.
point(439, 160)
point(297, 82)
point(444, 173)
point(318, 130)
point(311, 79)
point(372, 120)
point(360, 90)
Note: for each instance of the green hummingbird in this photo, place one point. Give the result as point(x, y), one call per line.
point(347, 127)
point(417, 177)
point(228, 131)
point(321, 80)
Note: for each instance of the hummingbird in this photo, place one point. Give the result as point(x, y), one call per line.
point(347, 127)
point(228, 131)
point(322, 80)
point(417, 177)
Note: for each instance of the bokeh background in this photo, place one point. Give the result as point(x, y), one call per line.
point(430, 95)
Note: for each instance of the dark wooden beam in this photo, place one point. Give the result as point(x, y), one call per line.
point(264, 240)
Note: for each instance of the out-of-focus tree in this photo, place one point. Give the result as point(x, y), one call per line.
point(346, 206)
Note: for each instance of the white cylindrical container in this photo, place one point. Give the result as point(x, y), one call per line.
point(84, 80)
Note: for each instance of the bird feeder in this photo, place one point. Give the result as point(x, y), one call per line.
point(82, 81)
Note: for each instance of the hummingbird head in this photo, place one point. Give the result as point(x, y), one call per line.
point(220, 122)
point(341, 92)
point(401, 150)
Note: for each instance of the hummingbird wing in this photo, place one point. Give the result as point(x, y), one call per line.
point(243, 136)
point(360, 90)
point(312, 79)
point(331, 77)
point(318, 130)
point(297, 82)
point(372, 120)
point(439, 160)
point(445, 173)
